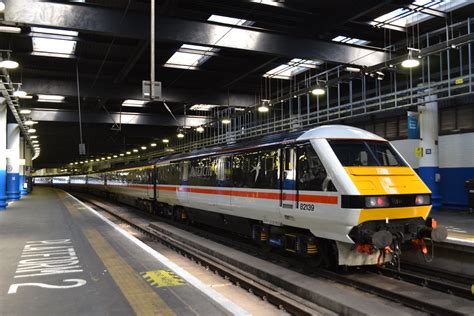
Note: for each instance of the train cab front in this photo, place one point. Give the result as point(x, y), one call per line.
point(394, 202)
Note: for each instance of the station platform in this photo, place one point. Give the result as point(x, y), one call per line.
point(60, 257)
point(460, 225)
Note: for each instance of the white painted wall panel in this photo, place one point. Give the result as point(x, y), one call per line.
point(407, 147)
point(456, 151)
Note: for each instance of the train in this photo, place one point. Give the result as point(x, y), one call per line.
point(335, 195)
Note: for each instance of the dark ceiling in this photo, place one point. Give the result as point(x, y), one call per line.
point(113, 57)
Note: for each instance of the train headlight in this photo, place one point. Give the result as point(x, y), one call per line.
point(423, 199)
point(376, 201)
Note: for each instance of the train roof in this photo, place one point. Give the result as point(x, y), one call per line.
point(339, 132)
point(327, 132)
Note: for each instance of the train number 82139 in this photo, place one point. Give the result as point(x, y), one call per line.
point(307, 207)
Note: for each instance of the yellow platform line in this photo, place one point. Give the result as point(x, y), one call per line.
point(141, 297)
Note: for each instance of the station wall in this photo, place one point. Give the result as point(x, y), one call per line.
point(456, 165)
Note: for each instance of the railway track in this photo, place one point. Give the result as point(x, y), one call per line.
point(283, 300)
point(409, 288)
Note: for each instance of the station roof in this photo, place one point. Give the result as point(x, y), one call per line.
point(208, 52)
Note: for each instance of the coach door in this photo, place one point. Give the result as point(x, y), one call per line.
point(289, 194)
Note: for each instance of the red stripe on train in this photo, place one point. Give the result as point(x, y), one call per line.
point(323, 199)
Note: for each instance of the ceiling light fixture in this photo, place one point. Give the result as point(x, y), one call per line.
point(165, 141)
point(9, 64)
point(2, 6)
point(34, 142)
point(411, 62)
point(226, 121)
point(10, 29)
point(143, 147)
point(30, 122)
point(180, 134)
point(25, 111)
point(200, 129)
point(263, 108)
point(51, 98)
point(135, 150)
point(318, 91)
point(128, 153)
point(153, 145)
point(31, 131)
point(352, 69)
point(121, 155)
point(134, 103)
point(33, 136)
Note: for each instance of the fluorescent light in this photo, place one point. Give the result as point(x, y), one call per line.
point(9, 64)
point(97, 159)
point(153, 144)
point(352, 69)
point(135, 150)
point(30, 122)
point(200, 129)
point(20, 93)
point(109, 157)
point(203, 107)
point(34, 142)
point(54, 46)
point(143, 148)
point(165, 141)
point(180, 135)
point(349, 40)
point(128, 152)
point(228, 20)
point(115, 156)
point(31, 131)
point(33, 137)
point(50, 98)
point(292, 68)
point(226, 121)
point(25, 111)
point(10, 29)
point(121, 155)
point(54, 31)
point(134, 103)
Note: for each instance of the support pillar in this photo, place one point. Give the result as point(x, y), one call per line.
point(28, 167)
point(3, 156)
point(429, 162)
point(22, 162)
point(13, 162)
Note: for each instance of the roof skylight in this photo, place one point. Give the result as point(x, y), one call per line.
point(228, 20)
point(349, 40)
point(134, 103)
point(418, 11)
point(203, 107)
point(292, 68)
point(47, 45)
point(190, 56)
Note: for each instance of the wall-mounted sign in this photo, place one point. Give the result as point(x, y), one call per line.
point(419, 152)
point(413, 125)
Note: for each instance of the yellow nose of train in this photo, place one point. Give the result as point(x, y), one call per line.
point(390, 188)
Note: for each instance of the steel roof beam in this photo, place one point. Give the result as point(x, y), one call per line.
point(136, 25)
point(124, 118)
point(122, 91)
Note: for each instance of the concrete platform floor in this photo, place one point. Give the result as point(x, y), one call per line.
point(58, 257)
point(460, 225)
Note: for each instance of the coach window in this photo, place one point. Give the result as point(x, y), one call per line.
point(256, 170)
point(184, 172)
point(202, 172)
point(311, 172)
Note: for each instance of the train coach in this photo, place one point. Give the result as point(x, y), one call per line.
point(336, 195)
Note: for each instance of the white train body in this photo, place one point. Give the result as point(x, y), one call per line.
point(331, 210)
